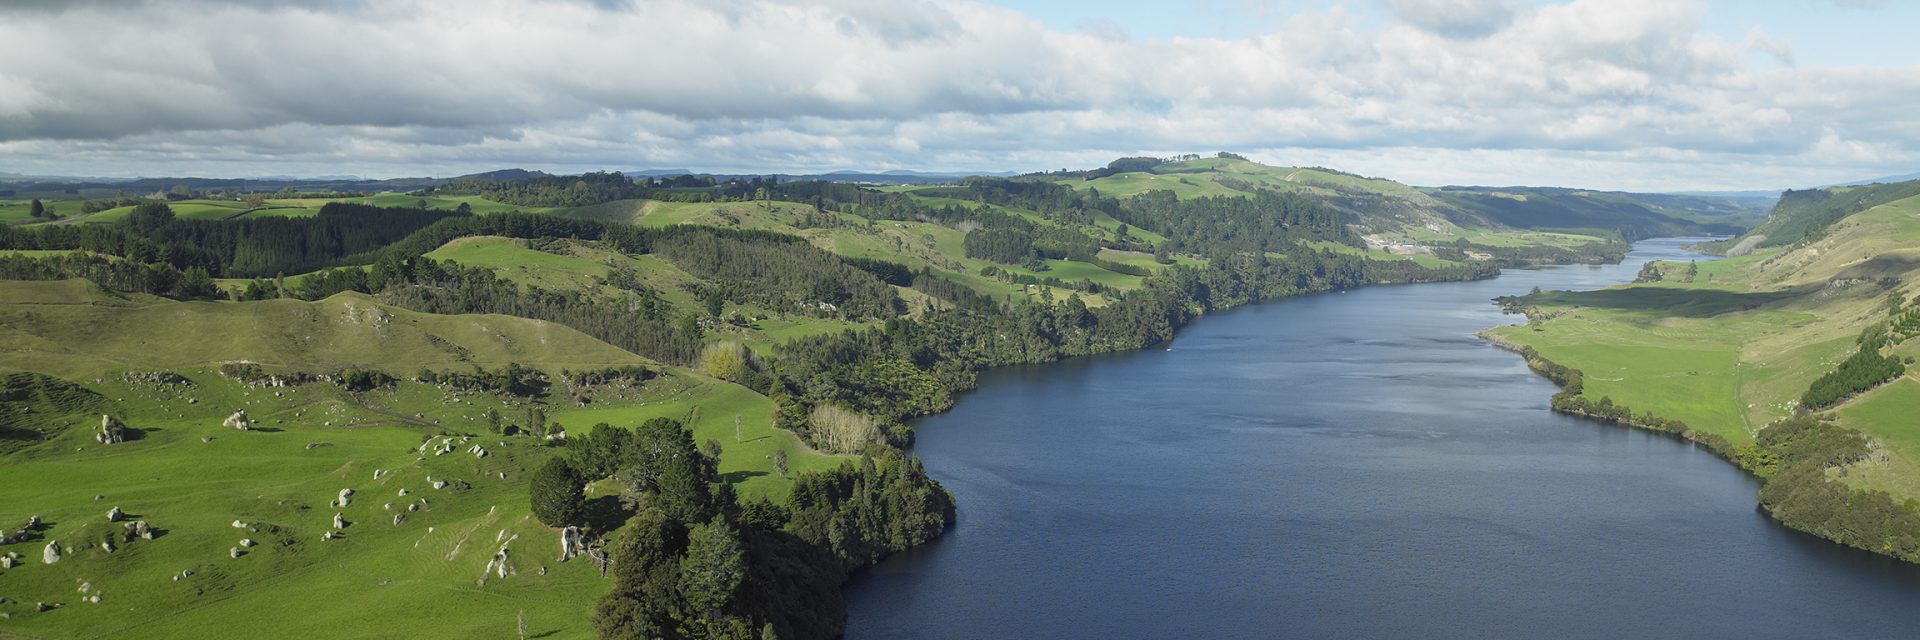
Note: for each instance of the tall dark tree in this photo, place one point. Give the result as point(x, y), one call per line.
point(557, 496)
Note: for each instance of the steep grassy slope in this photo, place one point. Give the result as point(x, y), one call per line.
point(1806, 215)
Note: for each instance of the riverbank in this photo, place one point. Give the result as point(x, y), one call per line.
point(1357, 465)
point(1734, 345)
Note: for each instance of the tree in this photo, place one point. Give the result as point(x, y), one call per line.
point(493, 420)
point(715, 566)
point(556, 489)
point(712, 449)
point(254, 200)
point(780, 461)
point(683, 493)
point(536, 420)
point(37, 209)
point(197, 283)
point(148, 216)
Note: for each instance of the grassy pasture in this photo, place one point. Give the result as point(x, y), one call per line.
point(191, 477)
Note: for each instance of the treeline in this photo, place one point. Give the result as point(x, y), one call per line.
point(247, 247)
point(1800, 457)
point(788, 276)
point(643, 325)
point(1864, 370)
point(692, 560)
point(908, 367)
point(549, 191)
point(513, 379)
point(116, 275)
point(1221, 225)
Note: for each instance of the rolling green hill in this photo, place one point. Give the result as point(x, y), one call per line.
point(1380, 206)
point(1630, 215)
point(1737, 349)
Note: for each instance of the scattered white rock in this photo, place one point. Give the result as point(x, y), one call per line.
point(346, 498)
point(569, 543)
point(403, 492)
point(238, 421)
point(326, 536)
point(115, 515)
point(246, 542)
point(234, 552)
point(339, 522)
point(106, 545)
point(239, 525)
point(439, 484)
point(399, 518)
point(51, 554)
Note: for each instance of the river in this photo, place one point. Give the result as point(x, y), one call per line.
point(1353, 465)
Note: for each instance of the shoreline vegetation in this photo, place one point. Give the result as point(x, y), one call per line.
point(1797, 459)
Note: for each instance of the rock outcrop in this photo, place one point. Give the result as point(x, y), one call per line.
point(569, 543)
point(112, 431)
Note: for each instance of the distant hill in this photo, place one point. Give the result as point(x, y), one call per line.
point(1378, 205)
point(1879, 180)
point(1632, 215)
point(1805, 215)
point(504, 174)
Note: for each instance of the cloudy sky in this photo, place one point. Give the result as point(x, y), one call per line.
point(1621, 94)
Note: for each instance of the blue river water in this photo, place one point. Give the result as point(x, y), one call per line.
point(1353, 465)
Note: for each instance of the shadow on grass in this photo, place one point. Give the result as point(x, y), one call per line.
point(1689, 303)
point(1882, 266)
point(605, 513)
point(736, 477)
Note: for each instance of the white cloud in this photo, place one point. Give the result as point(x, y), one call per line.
point(414, 86)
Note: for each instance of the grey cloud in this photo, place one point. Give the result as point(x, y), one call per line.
point(1454, 18)
point(738, 84)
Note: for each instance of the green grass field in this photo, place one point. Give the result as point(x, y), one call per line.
point(1734, 348)
point(190, 477)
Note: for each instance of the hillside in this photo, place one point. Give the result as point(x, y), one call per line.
point(1631, 215)
point(757, 351)
point(1733, 347)
point(1384, 208)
